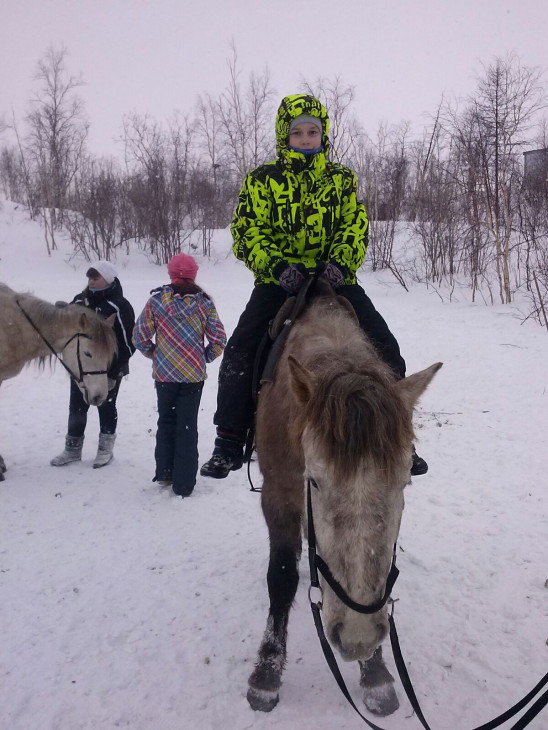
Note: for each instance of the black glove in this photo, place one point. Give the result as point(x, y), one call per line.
point(332, 273)
point(291, 277)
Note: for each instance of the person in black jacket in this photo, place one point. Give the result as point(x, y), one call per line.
point(103, 294)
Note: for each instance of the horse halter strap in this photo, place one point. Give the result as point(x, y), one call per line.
point(81, 372)
point(317, 564)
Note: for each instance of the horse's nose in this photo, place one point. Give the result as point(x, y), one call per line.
point(336, 634)
point(96, 400)
point(382, 631)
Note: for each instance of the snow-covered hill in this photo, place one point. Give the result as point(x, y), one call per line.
point(122, 606)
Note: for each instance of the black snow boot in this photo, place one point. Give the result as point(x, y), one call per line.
point(228, 455)
point(163, 478)
point(419, 465)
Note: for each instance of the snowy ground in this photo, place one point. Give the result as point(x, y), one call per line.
point(122, 606)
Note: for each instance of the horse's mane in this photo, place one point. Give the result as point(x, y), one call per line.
point(355, 412)
point(43, 314)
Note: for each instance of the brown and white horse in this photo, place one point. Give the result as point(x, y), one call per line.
point(333, 416)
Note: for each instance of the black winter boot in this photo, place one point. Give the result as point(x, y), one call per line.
point(419, 465)
point(163, 478)
point(228, 455)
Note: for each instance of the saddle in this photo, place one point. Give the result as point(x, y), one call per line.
point(281, 325)
point(273, 342)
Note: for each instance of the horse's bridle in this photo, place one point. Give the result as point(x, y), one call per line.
point(78, 379)
point(81, 372)
point(318, 565)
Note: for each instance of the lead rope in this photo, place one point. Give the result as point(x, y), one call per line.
point(531, 713)
point(316, 605)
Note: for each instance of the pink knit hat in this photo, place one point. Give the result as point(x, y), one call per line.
point(182, 266)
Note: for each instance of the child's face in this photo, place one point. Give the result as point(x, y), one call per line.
point(97, 282)
point(305, 136)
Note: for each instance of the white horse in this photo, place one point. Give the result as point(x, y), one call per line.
point(31, 329)
point(335, 419)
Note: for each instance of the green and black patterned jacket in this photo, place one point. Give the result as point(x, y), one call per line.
point(297, 209)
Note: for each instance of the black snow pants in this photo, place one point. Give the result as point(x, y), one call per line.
point(176, 450)
point(78, 411)
point(235, 407)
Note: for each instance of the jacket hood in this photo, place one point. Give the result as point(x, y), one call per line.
point(291, 107)
point(176, 305)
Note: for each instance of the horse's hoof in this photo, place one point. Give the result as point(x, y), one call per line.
point(381, 700)
point(262, 699)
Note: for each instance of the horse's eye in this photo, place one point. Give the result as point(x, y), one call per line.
point(313, 483)
point(87, 354)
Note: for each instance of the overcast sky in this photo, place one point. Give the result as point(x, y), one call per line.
point(156, 56)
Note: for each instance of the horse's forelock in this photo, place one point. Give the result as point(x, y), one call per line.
point(102, 333)
point(368, 421)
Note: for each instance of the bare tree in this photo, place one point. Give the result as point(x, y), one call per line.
point(345, 130)
point(381, 167)
point(246, 119)
point(158, 163)
point(94, 222)
point(12, 175)
point(496, 122)
point(208, 129)
point(57, 134)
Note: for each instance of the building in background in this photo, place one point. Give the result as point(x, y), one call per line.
point(535, 165)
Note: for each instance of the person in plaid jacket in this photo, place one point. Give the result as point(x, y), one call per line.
point(170, 331)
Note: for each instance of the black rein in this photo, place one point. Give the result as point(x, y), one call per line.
point(77, 378)
point(317, 565)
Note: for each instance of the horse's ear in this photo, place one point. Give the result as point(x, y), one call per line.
point(412, 387)
point(83, 321)
point(111, 320)
point(301, 381)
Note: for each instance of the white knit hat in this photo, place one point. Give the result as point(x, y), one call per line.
point(106, 269)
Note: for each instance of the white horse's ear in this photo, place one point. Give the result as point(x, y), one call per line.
point(412, 387)
point(83, 321)
point(301, 381)
point(111, 320)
